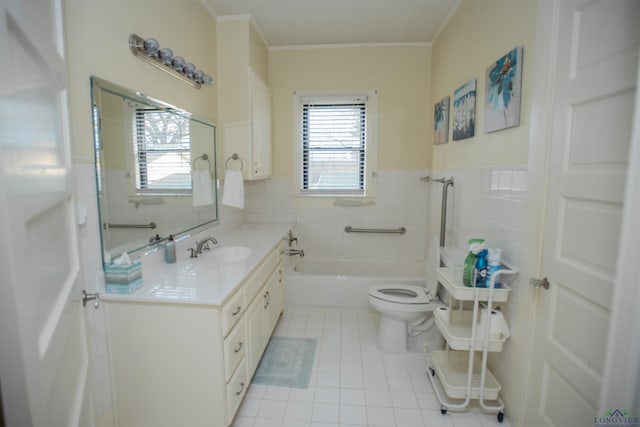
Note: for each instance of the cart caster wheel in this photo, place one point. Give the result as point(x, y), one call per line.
point(443, 410)
point(500, 416)
point(431, 371)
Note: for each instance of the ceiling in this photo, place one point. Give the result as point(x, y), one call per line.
point(319, 22)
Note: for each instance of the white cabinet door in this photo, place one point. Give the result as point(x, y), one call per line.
point(274, 301)
point(43, 350)
point(260, 127)
point(255, 330)
point(250, 138)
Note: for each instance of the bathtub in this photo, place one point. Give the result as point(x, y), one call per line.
point(344, 283)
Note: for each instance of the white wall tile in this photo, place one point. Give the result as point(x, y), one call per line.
point(401, 201)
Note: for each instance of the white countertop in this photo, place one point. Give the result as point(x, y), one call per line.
point(201, 280)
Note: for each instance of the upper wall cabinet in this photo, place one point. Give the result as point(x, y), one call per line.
point(244, 98)
point(251, 139)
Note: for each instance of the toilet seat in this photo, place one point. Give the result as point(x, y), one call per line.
point(400, 293)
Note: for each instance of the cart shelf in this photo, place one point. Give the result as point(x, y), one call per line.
point(451, 368)
point(457, 330)
point(451, 279)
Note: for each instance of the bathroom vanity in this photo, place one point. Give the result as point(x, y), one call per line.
point(184, 347)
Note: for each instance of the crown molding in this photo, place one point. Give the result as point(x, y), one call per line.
point(350, 45)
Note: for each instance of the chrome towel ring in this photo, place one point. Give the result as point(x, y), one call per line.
point(234, 156)
point(205, 156)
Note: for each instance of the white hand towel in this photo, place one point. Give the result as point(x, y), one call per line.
point(233, 193)
point(202, 190)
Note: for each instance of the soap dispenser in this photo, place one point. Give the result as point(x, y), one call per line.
point(170, 251)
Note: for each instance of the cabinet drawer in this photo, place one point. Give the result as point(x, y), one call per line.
point(235, 346)
point(236, 390)
point(261, 275)
point(232, 312)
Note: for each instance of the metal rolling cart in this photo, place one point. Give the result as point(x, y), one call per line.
point(458, 374)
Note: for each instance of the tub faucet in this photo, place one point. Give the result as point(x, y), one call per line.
point(203, 245)
point(292, 252)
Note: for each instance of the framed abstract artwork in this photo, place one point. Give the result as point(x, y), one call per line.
point(464, 111)
point(441, 121)
point(504, 90)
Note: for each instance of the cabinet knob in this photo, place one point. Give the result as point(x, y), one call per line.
point(238, 309)
point(238, 348)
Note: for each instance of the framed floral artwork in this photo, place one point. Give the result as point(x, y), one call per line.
point(441, 121)
point(504, 88)
point(464, 111)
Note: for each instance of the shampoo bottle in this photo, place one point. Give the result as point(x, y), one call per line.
point(482, 269)
point(475, 246)
point(170, 251)
point(493, 258)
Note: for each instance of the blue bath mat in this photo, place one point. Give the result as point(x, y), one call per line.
point(287, 362)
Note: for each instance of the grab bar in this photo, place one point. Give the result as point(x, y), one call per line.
point(350, 229)
point(443, 216)
point(151, 225)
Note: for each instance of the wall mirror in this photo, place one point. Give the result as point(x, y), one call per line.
point(155, 169)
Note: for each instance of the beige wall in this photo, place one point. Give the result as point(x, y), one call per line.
point(259, 54)
point(400, 74)
point(97, 44)
point(477, 35)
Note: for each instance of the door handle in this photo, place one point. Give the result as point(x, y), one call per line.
point(238, 393)
point(89, 297)
point(539, 283)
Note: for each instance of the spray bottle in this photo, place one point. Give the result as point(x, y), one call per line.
point(475, 246)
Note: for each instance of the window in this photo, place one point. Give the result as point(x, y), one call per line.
point(335, 155)
point(162, 149)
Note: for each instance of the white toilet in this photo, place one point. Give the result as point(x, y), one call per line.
point(406, 308)
point(401, 306)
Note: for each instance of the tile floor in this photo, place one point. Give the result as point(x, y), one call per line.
point(352, 382)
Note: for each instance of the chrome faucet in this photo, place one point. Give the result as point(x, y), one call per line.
point(202, 245)
point(292, 238)
point(292, 252)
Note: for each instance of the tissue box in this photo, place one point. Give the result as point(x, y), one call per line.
point(123, 279)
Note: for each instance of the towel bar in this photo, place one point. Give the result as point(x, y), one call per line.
point(151, 225)
point(350, 229)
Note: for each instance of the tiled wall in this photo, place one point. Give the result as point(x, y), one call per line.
point(401, 201)
point(486, 203)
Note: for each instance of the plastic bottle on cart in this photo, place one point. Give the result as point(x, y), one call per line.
point(475, 246)
point(482, 269)
point(493, 257)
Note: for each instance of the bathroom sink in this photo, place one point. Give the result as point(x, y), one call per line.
point(226, 254)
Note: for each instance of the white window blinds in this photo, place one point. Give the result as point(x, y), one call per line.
point(333, 146)
point(162, 148)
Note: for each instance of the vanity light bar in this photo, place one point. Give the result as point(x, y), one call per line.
point(162, 58)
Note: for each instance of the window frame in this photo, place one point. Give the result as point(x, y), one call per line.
point(369, 99)
point(140, 151)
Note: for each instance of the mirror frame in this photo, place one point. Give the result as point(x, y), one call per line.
point(140, 248)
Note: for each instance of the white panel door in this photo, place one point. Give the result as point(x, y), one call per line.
point(594, 55)
point(43, 351)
